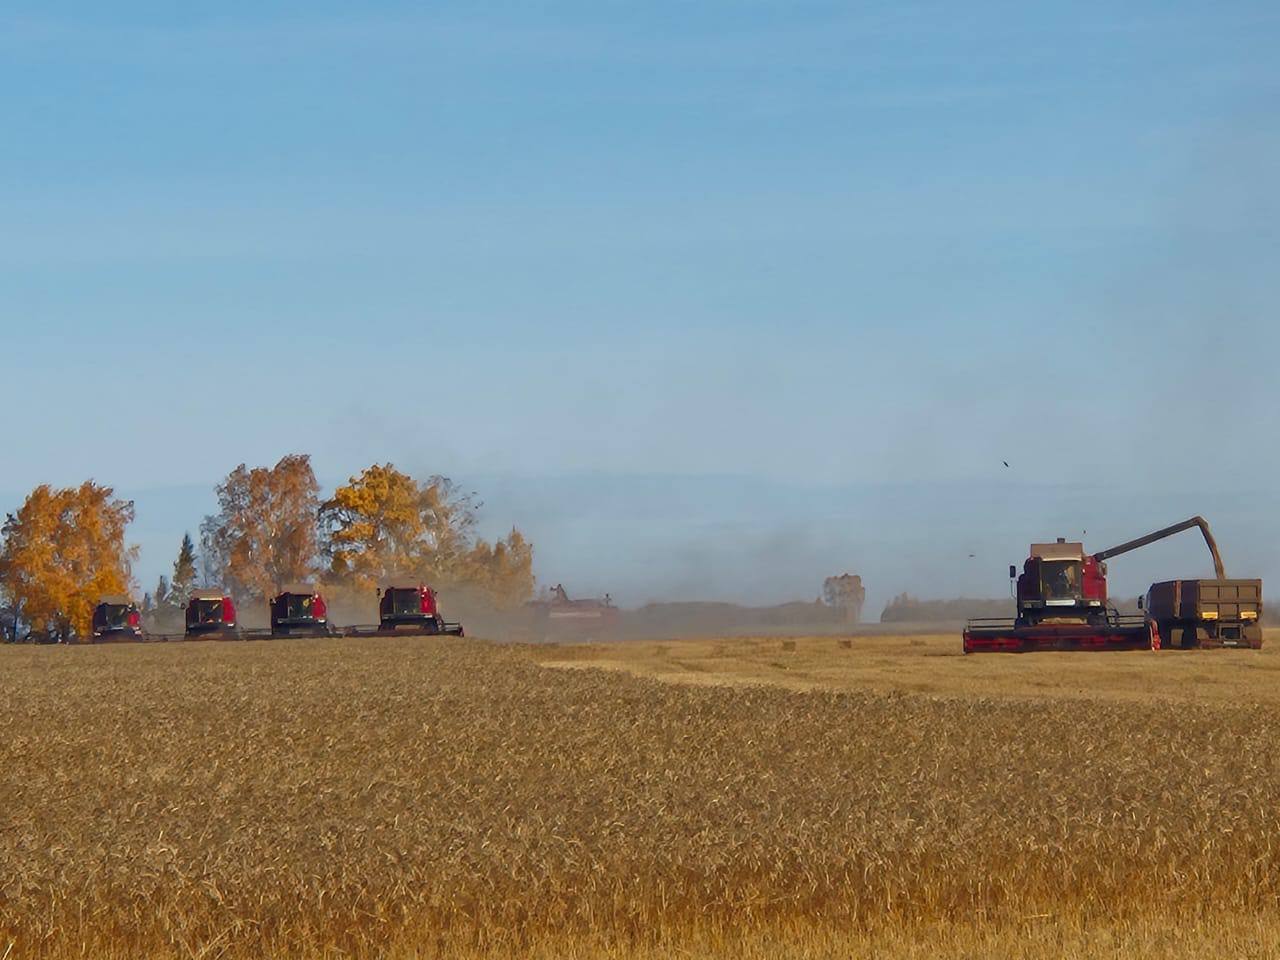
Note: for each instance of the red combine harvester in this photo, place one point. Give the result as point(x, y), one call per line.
point(116, 618)
point(1062, 601)
point(300, 611)
point(211, 615)
point(414, 607)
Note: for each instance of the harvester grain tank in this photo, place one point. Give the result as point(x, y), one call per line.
point(116, 618)
point(300, 611)
point(414, 607)
point(1062, 603)
point(211, 614)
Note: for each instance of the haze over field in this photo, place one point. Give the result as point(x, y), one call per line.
point(712, 300)
point(759, 541)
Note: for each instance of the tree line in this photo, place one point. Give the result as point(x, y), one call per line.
point(64, 549)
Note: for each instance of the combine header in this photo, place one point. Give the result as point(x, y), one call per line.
point(1062, 602)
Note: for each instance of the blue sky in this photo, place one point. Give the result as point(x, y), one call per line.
point(792, 246)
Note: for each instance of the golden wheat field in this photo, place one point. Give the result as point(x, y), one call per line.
point(416, 797)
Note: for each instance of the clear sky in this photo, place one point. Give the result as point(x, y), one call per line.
point(809, 244)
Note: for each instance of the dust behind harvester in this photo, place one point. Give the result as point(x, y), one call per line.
point(1062, 604)
point(559, 616)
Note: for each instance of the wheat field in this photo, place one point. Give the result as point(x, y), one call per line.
point(415, 797)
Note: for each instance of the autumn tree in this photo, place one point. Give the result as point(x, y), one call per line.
point(846, 594)
point(264, 534)
point(184, 572)
point(503, 572)
point(10, 621)
point(383, 523)
point(64, 549)
point(164, 606)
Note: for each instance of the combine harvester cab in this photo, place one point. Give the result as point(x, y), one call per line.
point(116, 619)
point(300, 611)
point(211, 615)
point(415, 608)
point(1062, 605)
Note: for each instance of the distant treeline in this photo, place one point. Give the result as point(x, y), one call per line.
point(904, 608)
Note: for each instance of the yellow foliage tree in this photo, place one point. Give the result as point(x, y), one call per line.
point(63, 550)
point(264, 535)
point(385, 524)
point(503, 572)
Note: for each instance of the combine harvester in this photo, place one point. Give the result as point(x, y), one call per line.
point(1062, 605)
point(559, 617)
point(414, 607)
point(116, 619)
point(211, 615)
point(300, 611)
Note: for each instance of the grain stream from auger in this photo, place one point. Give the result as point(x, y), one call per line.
point(421, 797)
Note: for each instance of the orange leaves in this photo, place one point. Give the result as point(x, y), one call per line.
point(264, 535)
point(383, 524)
point(502, 572)
point(63, 550)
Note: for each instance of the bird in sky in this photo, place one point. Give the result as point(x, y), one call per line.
point(1005, 462)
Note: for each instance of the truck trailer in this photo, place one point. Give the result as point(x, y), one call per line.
point(1206, 613)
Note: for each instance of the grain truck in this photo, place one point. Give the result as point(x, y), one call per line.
point(1206, 613)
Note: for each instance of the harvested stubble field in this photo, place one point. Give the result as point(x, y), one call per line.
point(424, 797)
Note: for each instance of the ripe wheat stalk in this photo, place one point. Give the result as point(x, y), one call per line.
point(433, 797)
